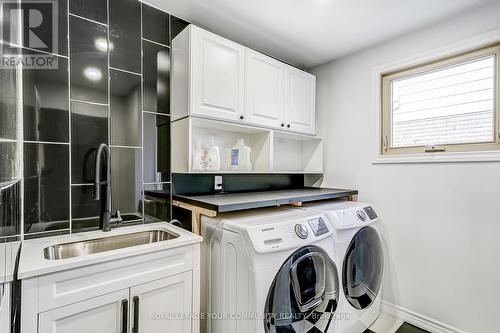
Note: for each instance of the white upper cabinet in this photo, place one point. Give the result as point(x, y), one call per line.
point(218, 69)
point(300, 101)
point(216, 78)
point(265, 90)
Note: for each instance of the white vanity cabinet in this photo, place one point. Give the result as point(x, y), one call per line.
point(163, 305)
point(5, 290)
point(102, 314)
point(213, 77)
point(148, 290)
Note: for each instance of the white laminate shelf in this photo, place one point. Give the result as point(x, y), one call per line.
point(273, 151)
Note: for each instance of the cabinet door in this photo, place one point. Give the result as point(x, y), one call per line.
point(159, 306)
point(301, 101)
point(103, 314)
point(265, 90)
point(217, 77)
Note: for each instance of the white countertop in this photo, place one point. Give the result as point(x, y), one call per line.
point(33, 263)
point(8, 253)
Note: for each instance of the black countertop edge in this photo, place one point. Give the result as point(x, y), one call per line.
point(199, 202)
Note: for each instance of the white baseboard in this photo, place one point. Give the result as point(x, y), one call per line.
point(424, 322)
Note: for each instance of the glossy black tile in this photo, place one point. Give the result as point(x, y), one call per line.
point(155, 25)
point(89, 61)
point(125, 34)
point(9, 161)
point(156, 148)
point(156, 78)
point(125, 104)
point(45, 103)
point(10, 209)
point(89, 128)
point(46, 187)
point(83, 204)
point(157, 203)
point(126, 175)
point(96, 10)
point(8, 105)
point(176, 26)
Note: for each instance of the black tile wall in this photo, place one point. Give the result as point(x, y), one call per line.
point(62, 28)
point(89, 128)
point(157, 202)
point(10, 209)
point(96, 10)
point(8, 113)
point(9, 161)
point(125, 106)
point(89, 60)
point(155, 25)
point(126, 173)
point(45, 103)
point(111, 86)
point(46, 187)
point(156, 148)
point(176, 26)
point(156, 77)
point(125, 34)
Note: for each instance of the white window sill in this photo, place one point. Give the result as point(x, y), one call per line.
point(462, 157)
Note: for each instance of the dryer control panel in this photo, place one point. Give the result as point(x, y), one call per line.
point(279, 236)
point(353, 217)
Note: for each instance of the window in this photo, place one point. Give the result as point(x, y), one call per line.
point(446, 106)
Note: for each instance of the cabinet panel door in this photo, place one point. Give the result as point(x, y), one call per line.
point(217, 78)
point(301, 101)
point(265, 90)
point(160, 305)
point(103, 314)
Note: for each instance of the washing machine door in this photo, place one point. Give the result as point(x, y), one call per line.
point(363, 268)
point(304, 293)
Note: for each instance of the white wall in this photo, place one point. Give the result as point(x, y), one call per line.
point(441, 221)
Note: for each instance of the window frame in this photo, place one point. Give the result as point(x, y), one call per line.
point(444, 62)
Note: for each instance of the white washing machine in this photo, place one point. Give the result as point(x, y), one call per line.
point(269, 271)
point(360, 258)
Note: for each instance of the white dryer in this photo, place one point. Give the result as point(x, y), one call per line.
point(360, 258)
point(269, 271)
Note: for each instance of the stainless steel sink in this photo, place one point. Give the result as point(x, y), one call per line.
point(91, 246)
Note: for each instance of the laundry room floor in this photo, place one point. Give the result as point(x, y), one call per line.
point(404, 328)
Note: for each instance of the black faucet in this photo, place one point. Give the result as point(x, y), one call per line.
point(107, 219)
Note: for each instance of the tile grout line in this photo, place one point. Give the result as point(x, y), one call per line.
point(157, 43)
point(143, 188)
point(87, 19)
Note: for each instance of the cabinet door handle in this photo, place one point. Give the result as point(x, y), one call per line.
point(282, 124)
point(242, 117)
point(135, 328)
point(125, 316)
point(288, 126)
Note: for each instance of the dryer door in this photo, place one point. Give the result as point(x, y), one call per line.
point(363, 268)
point(304, 293)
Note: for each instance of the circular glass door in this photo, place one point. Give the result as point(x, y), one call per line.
point(363, 268)
point(303, 294)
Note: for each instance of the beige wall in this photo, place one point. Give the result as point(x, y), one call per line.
point(441, 221)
